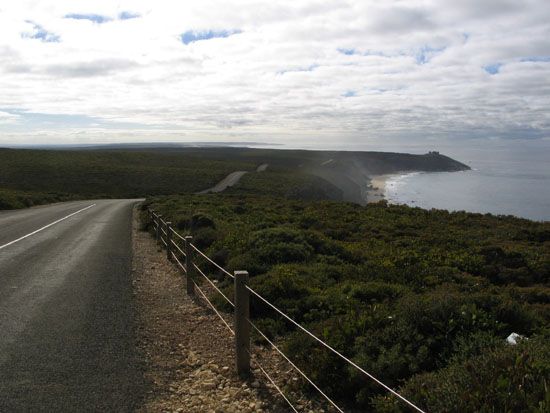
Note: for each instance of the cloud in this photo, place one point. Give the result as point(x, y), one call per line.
point(314, 70)
point(100, 67)
point(398, 19)
point(544, 59)
point(7, 118)
point(38, 32)
point(309, 68)
point(421, 55)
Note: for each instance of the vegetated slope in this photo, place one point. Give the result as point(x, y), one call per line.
point(29, 177)
point(422, 299)
point(287, 183)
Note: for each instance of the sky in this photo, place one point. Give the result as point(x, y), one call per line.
point(364, 73)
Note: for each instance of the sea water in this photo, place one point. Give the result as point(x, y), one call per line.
point(505, 182)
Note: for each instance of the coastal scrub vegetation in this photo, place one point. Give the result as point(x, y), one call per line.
point(424, 300)
point(32, 177)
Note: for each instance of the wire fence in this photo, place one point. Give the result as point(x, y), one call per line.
point(175, 253)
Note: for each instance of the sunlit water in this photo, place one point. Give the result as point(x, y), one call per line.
point(508, 183)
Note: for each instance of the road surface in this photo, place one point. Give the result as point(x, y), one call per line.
point(230, 180)
point(66, 309)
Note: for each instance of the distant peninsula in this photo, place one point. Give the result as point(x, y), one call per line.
point(351, 172)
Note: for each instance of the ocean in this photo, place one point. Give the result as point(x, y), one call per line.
point(502, 181)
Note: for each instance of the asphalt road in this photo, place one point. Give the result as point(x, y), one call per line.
point(232, 179)
point(67, 339)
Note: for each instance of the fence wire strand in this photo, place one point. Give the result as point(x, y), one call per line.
point(213, 308)
point(335, 351)
point(294, 365)
point(219, 267)
point(178, 248)
point(182, 267)
point(266, 374)
point(177, 234)
point(212, 284)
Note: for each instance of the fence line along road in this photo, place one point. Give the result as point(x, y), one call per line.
point(165, 235)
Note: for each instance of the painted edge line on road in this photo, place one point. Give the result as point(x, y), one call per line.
point(46, 226)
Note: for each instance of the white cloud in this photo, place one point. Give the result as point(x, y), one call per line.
point(7, 118)
point(280, 75)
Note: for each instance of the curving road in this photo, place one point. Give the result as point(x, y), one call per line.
point(66, 309)
point(232, 179)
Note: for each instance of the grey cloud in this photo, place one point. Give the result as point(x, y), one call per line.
point(100, 67)
point(17, 68)
point(401, 20)
point(11, 61)
point(481, 9)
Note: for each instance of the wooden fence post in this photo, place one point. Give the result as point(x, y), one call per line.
point(189, 265)
point(168, 240)
point(159, 226)
point(242, 328)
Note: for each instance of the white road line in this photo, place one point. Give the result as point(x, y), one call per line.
point(44, 227)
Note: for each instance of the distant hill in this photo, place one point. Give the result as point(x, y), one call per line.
point(30, 176)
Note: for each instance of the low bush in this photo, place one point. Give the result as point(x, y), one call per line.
point(416, 297)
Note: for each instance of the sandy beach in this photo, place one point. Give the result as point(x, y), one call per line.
point(376, 188)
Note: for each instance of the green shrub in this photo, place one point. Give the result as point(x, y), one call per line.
point(503, 379)
point(201, 220)
point(280, 245)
